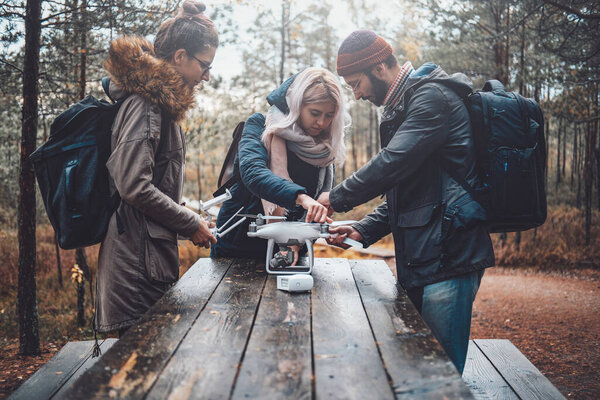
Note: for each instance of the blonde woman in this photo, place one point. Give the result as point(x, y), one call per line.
point(286, 158)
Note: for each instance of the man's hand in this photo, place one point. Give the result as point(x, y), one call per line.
point(203, 236)
point(324, 199)
point(338, 234)
point(315, 211)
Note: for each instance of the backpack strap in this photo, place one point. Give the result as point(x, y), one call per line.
point(460, 180)
point(229, 161)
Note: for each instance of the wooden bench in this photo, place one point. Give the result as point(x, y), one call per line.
point(52, 379)
point(496, 369)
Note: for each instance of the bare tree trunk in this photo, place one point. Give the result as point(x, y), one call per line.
point(199, 178)
point(507, 48)
point(590, 145)
point(547, 130)
point(522, 71)
point(560, 124)
point(81, 260)
point(574, 155)
point(80, 256)
point(580, 158)
point(370, 136)
point(503, 236)
point(353, 141)
point(29, 338)
point(83, 48)
point(564, 149)
point(285, 16)
point(58, 264)
point(44, 129)
point(597, 157)
point(518, 240)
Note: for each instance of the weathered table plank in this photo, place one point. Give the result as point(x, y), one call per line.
point(347, 364)
point(89, 362)
point(414, 359)
point(206, 363)
point(483, 379)
point(523, 377)
point(133, 364)
point(277, 364)
point(62, 368)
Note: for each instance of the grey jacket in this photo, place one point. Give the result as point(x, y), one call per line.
point(139, 258)
point(439, 231)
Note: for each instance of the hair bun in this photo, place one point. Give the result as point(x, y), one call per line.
point(191, 9)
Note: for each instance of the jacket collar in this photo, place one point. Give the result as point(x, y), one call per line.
point(134, 68)
point(422, 75)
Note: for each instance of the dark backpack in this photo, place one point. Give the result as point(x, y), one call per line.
point(510, 147)
point(229, 175)
point(71, 172)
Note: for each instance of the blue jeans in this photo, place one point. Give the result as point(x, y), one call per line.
point(446, 308)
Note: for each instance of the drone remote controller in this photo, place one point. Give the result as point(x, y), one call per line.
point(353, 243)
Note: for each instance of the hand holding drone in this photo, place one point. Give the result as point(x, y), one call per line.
point(290, 233)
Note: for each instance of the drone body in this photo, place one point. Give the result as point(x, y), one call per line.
point(286, 234)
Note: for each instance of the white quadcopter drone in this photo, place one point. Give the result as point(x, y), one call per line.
point(284, 233)
point(291, 233)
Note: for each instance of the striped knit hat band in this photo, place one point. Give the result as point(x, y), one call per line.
point(360, 51)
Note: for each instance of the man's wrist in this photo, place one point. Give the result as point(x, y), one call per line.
point(360, 229)
point(336, 200)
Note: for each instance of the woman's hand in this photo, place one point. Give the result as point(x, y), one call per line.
point(338, 234)
point(203, 236)
point(315, 211)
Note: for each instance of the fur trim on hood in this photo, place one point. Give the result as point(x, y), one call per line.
point(134, 67)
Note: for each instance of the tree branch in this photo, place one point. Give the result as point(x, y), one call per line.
point(571, 10)
point(12, 66)
point(58, 14)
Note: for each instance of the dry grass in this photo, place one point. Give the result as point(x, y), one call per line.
point(558, 244)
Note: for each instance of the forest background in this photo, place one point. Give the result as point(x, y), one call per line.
point(52, 53)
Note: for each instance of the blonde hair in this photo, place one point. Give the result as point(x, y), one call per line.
point(316, 85)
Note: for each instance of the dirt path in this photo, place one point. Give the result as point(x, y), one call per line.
point(553, 319)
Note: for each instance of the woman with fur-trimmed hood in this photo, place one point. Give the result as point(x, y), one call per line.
point(139, 258)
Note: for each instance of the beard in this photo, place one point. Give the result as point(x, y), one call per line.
point(380, 89)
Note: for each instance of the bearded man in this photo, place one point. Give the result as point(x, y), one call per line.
point(441, 241)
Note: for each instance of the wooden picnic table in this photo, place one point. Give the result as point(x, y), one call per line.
point(225, 331)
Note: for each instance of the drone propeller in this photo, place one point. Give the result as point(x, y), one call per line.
point(265, 217)
point(340, 223)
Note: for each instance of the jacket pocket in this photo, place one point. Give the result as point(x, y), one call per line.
point(171, 180)
point(161, 253)
point(459, 219)
point(463, 214)
point(422, 234)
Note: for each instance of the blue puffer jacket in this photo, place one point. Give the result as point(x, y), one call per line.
point(257, 181)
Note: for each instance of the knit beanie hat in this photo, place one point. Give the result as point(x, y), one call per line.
point(361, 50)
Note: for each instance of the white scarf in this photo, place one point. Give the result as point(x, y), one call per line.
point(317, 152)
